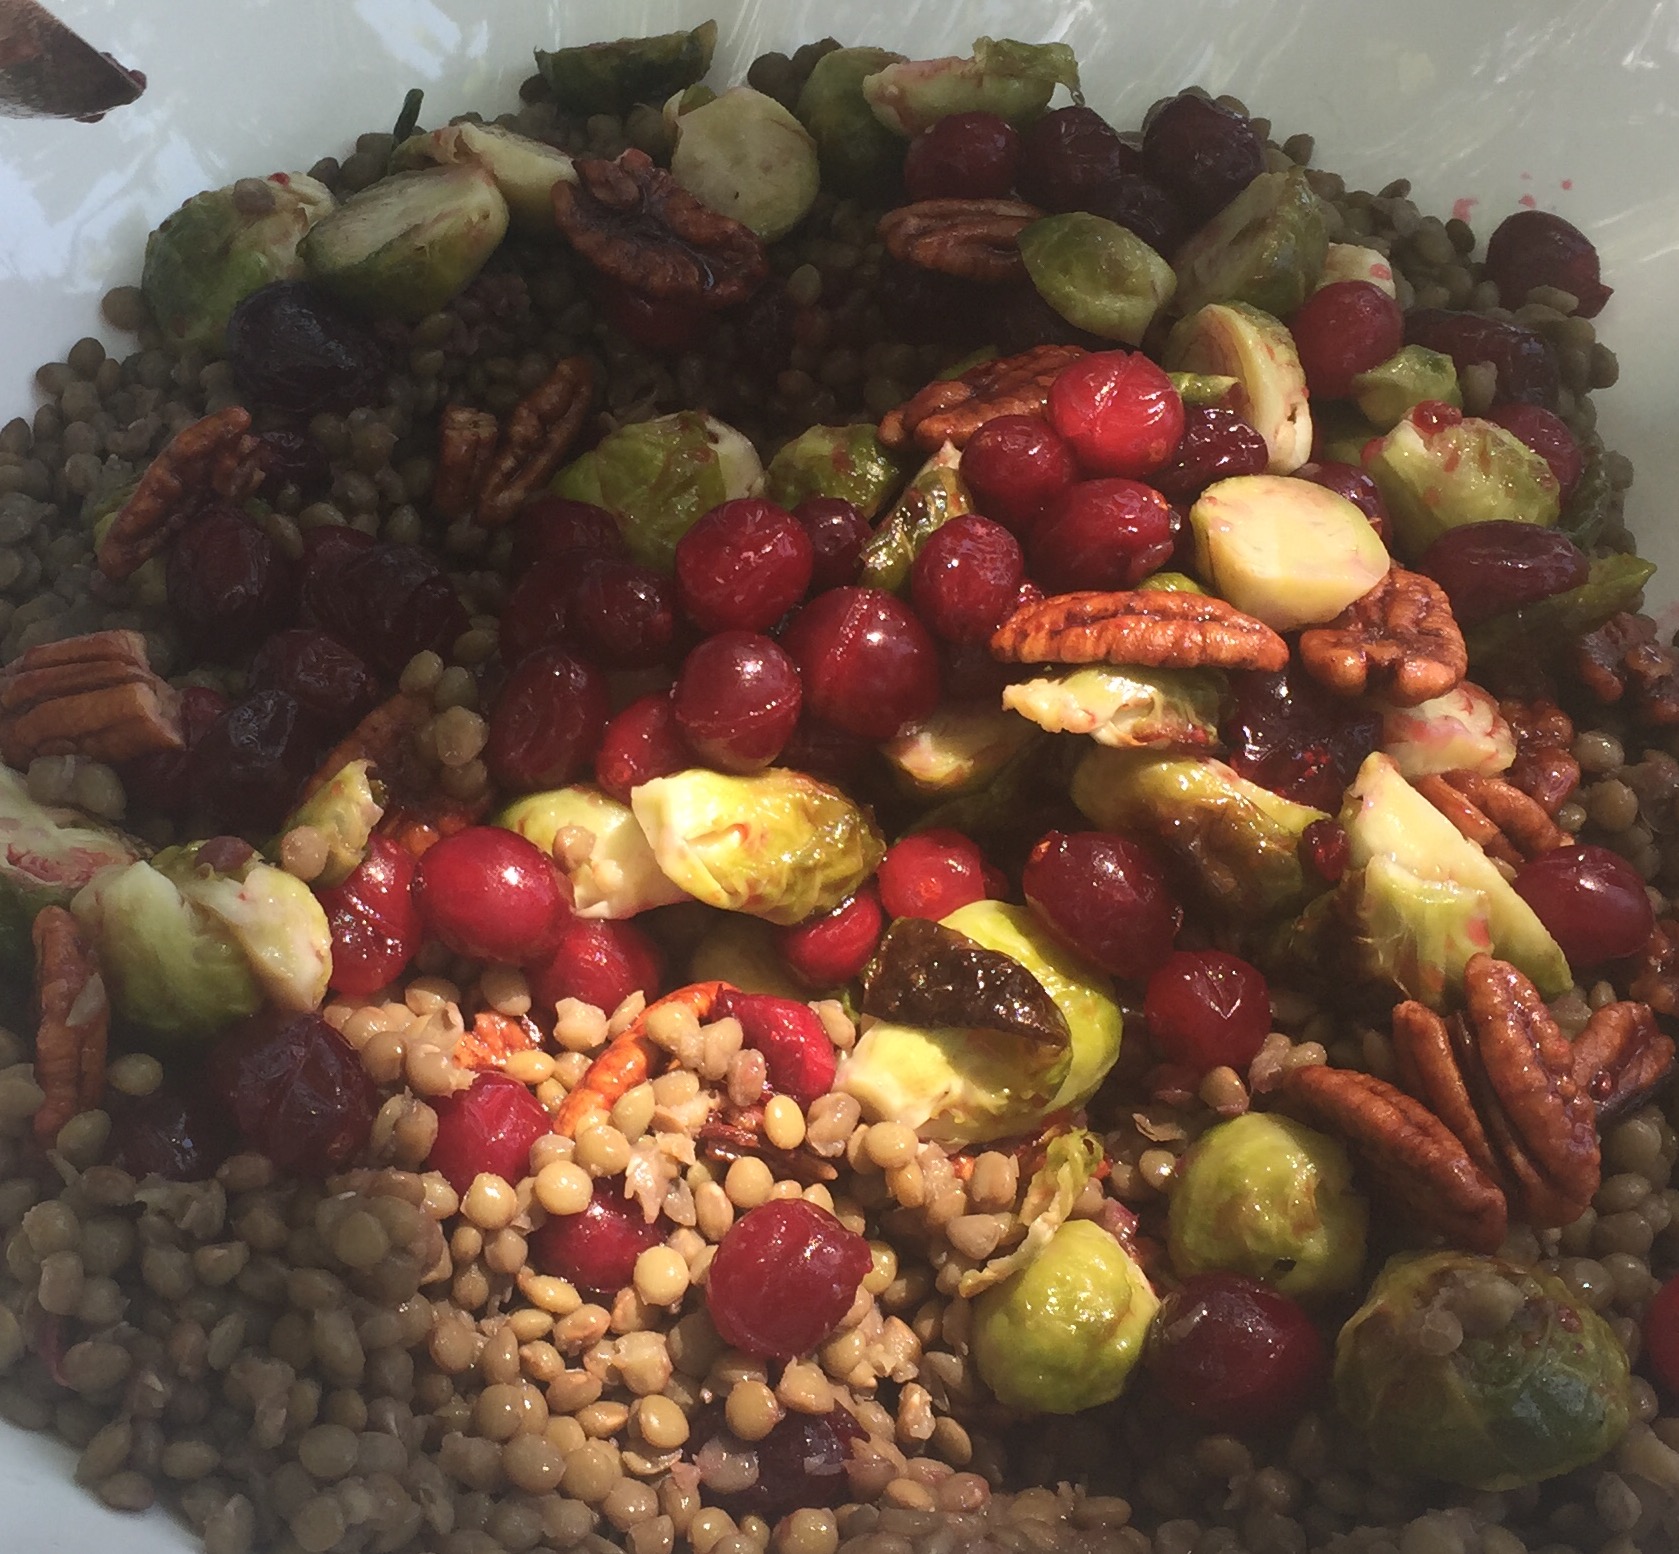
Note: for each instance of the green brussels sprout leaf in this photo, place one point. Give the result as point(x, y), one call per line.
point(843, 461)
point(935, 496)
point(1391, 390)
point(1548, 627)
point(1014, 80)
point(1096, 274)
point(1071, 1159)
point(1124, 706)
point(613, 77)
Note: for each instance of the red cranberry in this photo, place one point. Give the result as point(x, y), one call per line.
point(291, 346)
point(227, 584)
point(375, 925)
point(1203, 153)
point(551, 527)
point(963, 156)
point(801, 1464)
point(540, 606)
point(797, 1049)
point(1107, 896)
point(1235, 1354)
point(599, 963)
point(737, 700)
point(743, 566)
point(783, 1277)
point(1548, 435)
point(1119, 412)
point(247, 768)
point(1325, 845)
point(296, 1089)
point(488, 893)
point(177, 1132)
point(1526, 365)
point(832, 755)
point(1344, 329)
point(624, 614)
point(1071, 158)
point(930, 874)
point(1488, 568)
point(161, 781)
point(547, 721)
point(1539, 248)
point(1016, 465)
point(837, 533)
point(1350, 481)
point(662, 326)
point(1591, 901)
point(597, 1247)
point(641, 742)
point(1103, 534)
point(965, 578)
point(1216, 445)
point(826, 951)
point(1661, 1337)
point(867, 663)
point(1206, 1009)
point(318, 672)
point(487, 1127)
point(1288, 734)
point(1140, 205)
point(388, 602)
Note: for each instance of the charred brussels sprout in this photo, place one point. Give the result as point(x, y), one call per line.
point(1013, 80)
point(842, 461)
point(1534, 1384)
point(599, 845)
point(1096, 274)
point(858, 153)
point(612, 77)
point(747, 157)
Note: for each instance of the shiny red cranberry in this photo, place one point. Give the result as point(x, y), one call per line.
point(599, 963)
point(323, 676)
point(1016, 465)
point(965, 578)
point(1539, 248)
point(1216, 445)
point(540, 606)
point(1206, 1009)
point(931, 874)
point(737, 700)
point(161, 782)
point(488, 893)
point(551, 527)
point(228, 584)
point(294, 348)
point(1235, 1354)
point(1288, 734)
point(296, 1089)
point(837, 532)
point(1489, 568)
point(1548, 435)
point(178, 1132)
point(783, 1277)
point(1203, 153)
point(1103, 534)
point(1661, 1337)
point(1526, 365)
point(743, 566)
point(801, 1463)
point(827, 951)
point(868, 665)
point(547, 721)
point(388, 602)
point(247, 769)
point(797, 1049)
point(639, 743)
point(375, 924)
point(1591, 901)
point(963, 156)
point(624, 614)
point(487, 1127)
point(1118, 411)
point(1071, 158)
point(1344, 329)
point(1107, 896)
point(1350, 481)
point(597, 1247)
point(662, 326)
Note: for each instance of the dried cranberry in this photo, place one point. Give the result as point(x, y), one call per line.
point(1107, 896)
point(798, 1052)
point(540, 606)
point(1216, 445)
point(324, 677)
point(294, 348)
point(931, 874)
point(963, 156)
point(597, 1247)
point(487, 1127)
point(160, 782)
point(801, 1464)
point(551, 527)
point(1548, 435)
point(1288, 734)
point(293, 458)
point(599, 963)
point(1661, 1336)
point(624, 614)
point(965, 579)
point(737, 700)
point(743, 566)
point(1016, 465)
point(924, 307)
point(375, 924)
point(1488, 568)
point(388, 602)
point(1327, 848)
point(868, 665)
point(1343, 329)
point(1140, 205)
point(1103, 534)
point(1071, 158)
point(1526, 365)
point(1118, 411)
point(546, 722)
point(824, 952)
point(837, 533)
point(1206, 1009)
point(488, 893)
point(639, 743)
point(663, 326)
point(1016, 318)
point(831, 754)
point(246, 770)
point(228, 584)
point(1539, 248)
point(1591, 901)
point(1202, 152)
point(177, 1132)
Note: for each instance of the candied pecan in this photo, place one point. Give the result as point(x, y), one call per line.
point(466, 443)
point(1494, 814)
point(1412, 1156)
point(739, 1132)
point(75, 1022)
point(1150, 626)
point(1621, 1057)
point(1544, 768)
point(635, 223)
point(493, 1038)
point(93, 695)
point(1430, 1069)
point(540, 432)
point(216, 456)
point(1398, 641)
point(974, 240)
point(1623, 656)
point(1655, 974)
point(953, 409)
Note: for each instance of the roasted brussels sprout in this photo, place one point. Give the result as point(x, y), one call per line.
point(1265, 248)
point(935, 496)
point(746, 157)
point(613, 77)
point(1096, 274)
point(1124, 706)
point(344, 810)
point(1232, 339)
point(1013, 80)
point(599, 845)
point(1390, 390)
point(956, 750)
point(858, 153)
point(842, 461)
point(525, 170)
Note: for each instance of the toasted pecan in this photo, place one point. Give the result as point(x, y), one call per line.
point(953, 409)
point(466, 444)
point(1655, 969)
point(1494, 814)
point(540, 432)
point(70, 1041)
point(1399, 641)
point(1150, 626)
point(1430, 1068)
point(93, 695)
point(975, 240)
point(1621, 1057)
point(1623, 660)
point(1544, 768)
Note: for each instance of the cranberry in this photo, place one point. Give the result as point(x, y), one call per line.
point(965, 579)
point(547, 721)
point(177, 1132)
point(375, 924)
point(837, 533)
point(599, 963)
point(867, 663)
point(161, 781)
point(743, 566)
point(963, 156)
point(1488, 568)
point(1526, 365)
point(971, 673)
point(551, 527)
point(1350, 481)
point(248, 767)
point(641, 742)
point(597, 1247)
point(1344, 329)
point(293, 458)
point(662, 326)
point(1206, 1009)
point(832, 755)
point(1548, 435)
point(1107, 896)
point(1235, 1354)
point(323, 676)
point(1119, 412)
point(296, 1089)
point(1661, 1336)
point(487, 1127)
point(625, 614)
point(737, 700)
point(1539, 248)
point(783, 1277)
point(931, 874)
point(292, 347)
point(1016, 465)
point(797, 1049)
point(1103, 534)
point(388, 602)
point(801, 1464)
point(539, 608)
point(1288, 734)
point(1591, 901)
point(1140, 205)
point(1203, 153)
point(1216, 445)
point(1325, 845)
point(488, 893)
point(826, 951)
point(1071, 158)
point(227, 583)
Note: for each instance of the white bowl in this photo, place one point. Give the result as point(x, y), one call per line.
point(1563, 104)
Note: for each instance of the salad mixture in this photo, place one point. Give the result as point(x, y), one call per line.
point(845, 814)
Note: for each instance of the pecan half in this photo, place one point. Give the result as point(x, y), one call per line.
point(975, 240)
point(1655, 973)
point(215, 456)
point(70, 1041)
point(1429, 1069)
point(953, 409)
point(1494, 814)
point(93, 695)
point(1621, 1057)
point(634, 222)
point(1623, 659)
point(1149, 626)
point(1399, 641)
point(540, 432)
point(466, 443)
point(1544, 768)
point(739, 1132)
